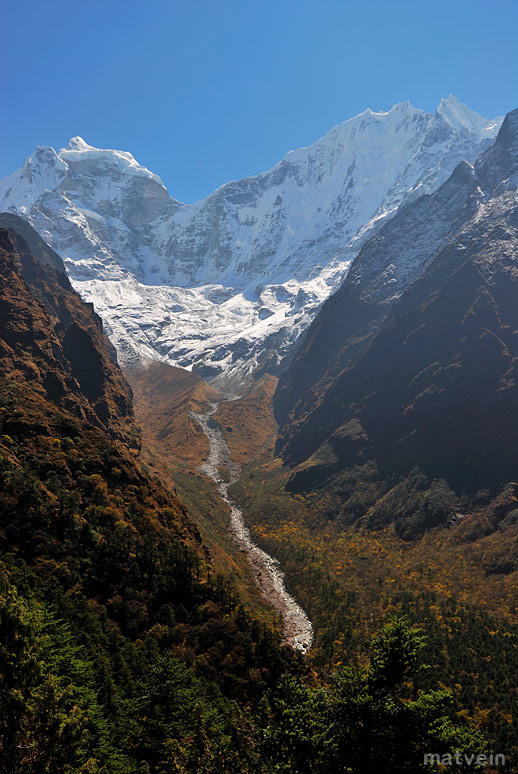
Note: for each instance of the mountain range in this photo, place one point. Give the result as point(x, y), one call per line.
point(226, 285)
point(361, 296)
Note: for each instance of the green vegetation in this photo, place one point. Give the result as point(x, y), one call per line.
point(60, 711)
point(352, 563)
point(127, 648)
point(371, 718)
point(116, 612)
point(123, 652)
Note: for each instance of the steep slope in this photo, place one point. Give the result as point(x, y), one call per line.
point(388, 264)
point(54, 339)
point(423, 371)
point(228, 283)
point(122, 650)
point(248, 423)
point(164, 396)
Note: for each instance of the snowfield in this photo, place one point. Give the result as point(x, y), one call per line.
point(227, 284)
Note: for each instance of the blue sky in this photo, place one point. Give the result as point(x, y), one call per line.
point(205, 92)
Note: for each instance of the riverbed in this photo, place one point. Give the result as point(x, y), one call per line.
point(298, 630)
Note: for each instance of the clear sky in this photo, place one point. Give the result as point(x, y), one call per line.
point(207, 91)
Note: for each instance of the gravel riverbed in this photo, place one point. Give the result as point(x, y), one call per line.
point(298, 630)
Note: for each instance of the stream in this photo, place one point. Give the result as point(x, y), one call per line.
point(298, 630)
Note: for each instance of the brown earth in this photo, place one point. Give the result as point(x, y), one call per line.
point(174, 447)
point(163, 397)
point(248, 423)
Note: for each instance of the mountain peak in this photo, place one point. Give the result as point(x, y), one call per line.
point(402, 106)
point(499, 165)
point(509, 128)
point(460, 116)
point(399, 107)
point(78, 150)
point(451, 101)
point(508, 137)
point(289, 234)
point(77, 143)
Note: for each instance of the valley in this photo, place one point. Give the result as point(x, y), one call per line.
point(289, 513)
point(458, 580)
point(345, 476)
point(170, 404)
point(297, 628)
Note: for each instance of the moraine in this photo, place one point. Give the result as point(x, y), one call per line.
point(298, 630)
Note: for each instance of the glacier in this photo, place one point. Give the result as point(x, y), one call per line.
point(226, 285)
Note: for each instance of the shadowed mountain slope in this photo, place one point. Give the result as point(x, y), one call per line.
point(418, 366)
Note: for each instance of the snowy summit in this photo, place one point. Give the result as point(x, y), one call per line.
point(226, 285)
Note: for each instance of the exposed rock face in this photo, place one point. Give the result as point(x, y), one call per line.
point(56, 340)
point(414, 361)
point(227, 284)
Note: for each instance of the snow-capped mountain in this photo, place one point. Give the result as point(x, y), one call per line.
point(413, 362)
point(228, 283)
